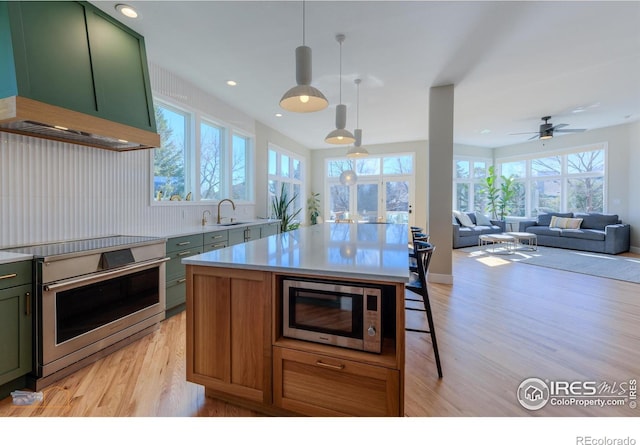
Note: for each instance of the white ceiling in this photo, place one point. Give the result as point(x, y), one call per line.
point(511, 62)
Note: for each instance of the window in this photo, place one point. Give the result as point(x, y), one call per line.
point(572, 181)
point(286, 168)
point(197, 160)
point(468, 184)
point(382, 191)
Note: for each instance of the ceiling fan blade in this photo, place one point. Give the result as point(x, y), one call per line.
point(534, 137)
point(555, 127)
point(528, 132)
point(571, 130)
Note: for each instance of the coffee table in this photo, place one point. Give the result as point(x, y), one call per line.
point(530, 238)
point(495, 241)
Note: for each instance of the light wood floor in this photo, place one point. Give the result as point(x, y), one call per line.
point(497, 325)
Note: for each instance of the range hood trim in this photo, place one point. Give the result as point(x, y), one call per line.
point(21, 109)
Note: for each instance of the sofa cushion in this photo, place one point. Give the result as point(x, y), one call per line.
point(597, 221)
point(482, 219)
point(544, 219)
point(544, 230)
point(565, 223)
point(465, 220)
point(590, 234)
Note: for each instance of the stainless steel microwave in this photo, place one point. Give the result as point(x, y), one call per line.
point(334, 313)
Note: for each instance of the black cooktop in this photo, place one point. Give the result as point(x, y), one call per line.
point(85, 245)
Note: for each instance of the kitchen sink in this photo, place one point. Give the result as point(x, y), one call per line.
point(234, 223)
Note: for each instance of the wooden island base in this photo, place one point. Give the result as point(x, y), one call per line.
point(236, 350)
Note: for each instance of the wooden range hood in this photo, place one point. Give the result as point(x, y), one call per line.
point(28, 117)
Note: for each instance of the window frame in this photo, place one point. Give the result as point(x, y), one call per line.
point(278, 178)
point(192, 158)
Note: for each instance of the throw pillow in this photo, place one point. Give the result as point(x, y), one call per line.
point(565, 223)
point(464, 219)
point(482, 219)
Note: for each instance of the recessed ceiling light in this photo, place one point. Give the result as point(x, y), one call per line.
point(278, 114)
point(232, 83)
point(127, 11)
point(485, 131)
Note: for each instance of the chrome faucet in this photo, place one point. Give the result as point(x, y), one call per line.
point(226, 199)
point(204, 217)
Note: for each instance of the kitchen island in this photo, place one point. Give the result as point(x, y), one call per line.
point(235, 343)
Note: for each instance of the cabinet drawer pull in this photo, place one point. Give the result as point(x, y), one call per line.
point(27, 306)
point(181, 280)
point(327, 365)
point(184, 243)
point(217, 236)
point(218, 245)
point(188, 252)
point(11, 275)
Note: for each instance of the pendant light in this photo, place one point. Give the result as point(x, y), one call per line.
point(340, 135)
point(303, 98)
point(357, 151)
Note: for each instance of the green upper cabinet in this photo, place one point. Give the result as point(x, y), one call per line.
point(72, 55)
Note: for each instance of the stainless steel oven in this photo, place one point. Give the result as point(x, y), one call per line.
point(92, 297)
point(335, 313)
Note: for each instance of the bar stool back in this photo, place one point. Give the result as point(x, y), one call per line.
point(423, 252)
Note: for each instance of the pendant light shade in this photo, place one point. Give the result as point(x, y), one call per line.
point(357, 151)
point(340, 135)
point(303, 98)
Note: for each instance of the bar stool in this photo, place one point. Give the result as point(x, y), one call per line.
point(423, 253)
point(416, 235)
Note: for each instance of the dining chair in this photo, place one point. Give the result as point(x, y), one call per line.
point(423, 252)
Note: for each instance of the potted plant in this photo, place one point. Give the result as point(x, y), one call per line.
point(313, 205)
point(282, 207)
point(499, 198)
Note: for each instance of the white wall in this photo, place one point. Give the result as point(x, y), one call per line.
point(633, 192)
point(51, 191)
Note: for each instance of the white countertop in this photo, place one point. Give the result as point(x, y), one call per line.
point(195, 230)
point(367, 251)
point(11, 257)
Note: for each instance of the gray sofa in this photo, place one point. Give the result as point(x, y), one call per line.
point(468, 236)
point(598, 232)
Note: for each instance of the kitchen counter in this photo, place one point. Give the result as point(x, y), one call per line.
point(236, 346)
point(211, 228)
point(11, 257)
point(358, 251)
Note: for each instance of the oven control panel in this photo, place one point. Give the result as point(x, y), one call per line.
point(372, 321)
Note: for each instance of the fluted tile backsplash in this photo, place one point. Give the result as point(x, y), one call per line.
point(51, 191)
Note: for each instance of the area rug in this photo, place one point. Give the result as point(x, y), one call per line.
point(617, 267)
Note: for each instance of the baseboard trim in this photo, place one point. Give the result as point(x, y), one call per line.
point(440, 278)
point(634, 250)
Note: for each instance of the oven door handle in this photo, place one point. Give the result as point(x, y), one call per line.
point(95, 277)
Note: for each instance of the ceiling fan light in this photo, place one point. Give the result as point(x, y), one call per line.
point(546, 136)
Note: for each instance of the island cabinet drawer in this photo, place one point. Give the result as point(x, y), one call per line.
point(318, 385)
point(184, 243)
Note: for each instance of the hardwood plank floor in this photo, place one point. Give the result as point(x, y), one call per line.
point(498, 324)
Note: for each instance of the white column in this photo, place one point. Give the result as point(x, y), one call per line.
point(440, 182)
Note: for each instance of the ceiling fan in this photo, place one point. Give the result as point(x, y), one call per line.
point(547, 129)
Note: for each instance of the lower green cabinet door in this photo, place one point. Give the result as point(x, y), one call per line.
point(15, 332)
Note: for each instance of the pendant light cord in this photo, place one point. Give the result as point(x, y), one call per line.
point(340, 71)
point(358, 105)
point(303, 40)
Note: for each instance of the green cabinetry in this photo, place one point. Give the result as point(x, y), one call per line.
point(269, 229)
point(15, 325)
point(177, 249)
point(72, 55)
point(215, 240)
